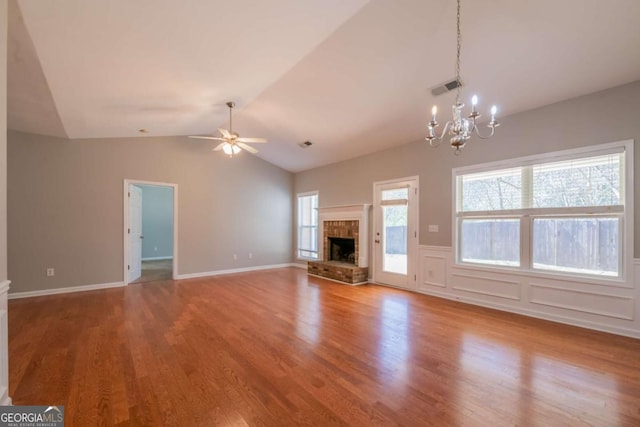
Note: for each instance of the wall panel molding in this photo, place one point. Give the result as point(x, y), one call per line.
point(433, 270)
point(620, 307)
point(490, 286)
point(628, 331)
point(589, 303)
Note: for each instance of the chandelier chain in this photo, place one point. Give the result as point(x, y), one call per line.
point(458, 56)
point(460, 128)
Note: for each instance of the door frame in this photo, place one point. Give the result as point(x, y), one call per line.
point(125, 238)
point(413, 245)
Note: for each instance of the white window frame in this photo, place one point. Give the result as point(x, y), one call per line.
point(626, 238)
point(298, 226)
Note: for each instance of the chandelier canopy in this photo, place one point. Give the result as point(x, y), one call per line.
point(460, 128)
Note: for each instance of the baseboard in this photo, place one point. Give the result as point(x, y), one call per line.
point(66, 290)
point(233, 270)
point(298, 265)
point(4, 286)
point(538, 315)
point(5, 400)
point(157, 258)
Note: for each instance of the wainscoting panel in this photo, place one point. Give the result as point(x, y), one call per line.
point(491, 286)
point(590, 304)
point(583, 301)
point(433, 270)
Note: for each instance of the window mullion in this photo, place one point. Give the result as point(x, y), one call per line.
point(527, 187)
point(526, 241)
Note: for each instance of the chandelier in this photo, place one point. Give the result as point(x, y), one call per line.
point(460, 128)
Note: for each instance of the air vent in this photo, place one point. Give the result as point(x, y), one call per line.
point(445, 87)
point(305, 144)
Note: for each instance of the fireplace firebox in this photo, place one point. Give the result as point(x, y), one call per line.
point(342, 250)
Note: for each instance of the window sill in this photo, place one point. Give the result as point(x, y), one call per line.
point(306, 259)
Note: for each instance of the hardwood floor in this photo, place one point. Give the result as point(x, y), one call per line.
point(155, 270)
point(277, 348)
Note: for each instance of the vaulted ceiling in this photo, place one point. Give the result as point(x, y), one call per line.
point(351, 76)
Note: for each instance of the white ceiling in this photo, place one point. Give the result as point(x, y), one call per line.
point(352, 76)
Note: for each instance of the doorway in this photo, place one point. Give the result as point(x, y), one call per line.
point(150, 231)
point(395, 229)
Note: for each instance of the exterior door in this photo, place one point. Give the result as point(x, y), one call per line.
point(135, 232)
point(395, 233)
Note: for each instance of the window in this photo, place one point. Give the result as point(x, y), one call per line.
point(308, 225)
point(563, 212)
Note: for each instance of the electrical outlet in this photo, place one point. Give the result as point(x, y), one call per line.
point(50, 272)
point(235, 257)
point(155, 248)
point(250, 255)
point(433, 228)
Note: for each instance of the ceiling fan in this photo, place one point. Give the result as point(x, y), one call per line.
point(232, 142)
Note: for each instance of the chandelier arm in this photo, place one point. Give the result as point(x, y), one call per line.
point(493, 131)
point(444, 130)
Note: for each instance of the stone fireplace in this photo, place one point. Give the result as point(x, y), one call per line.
point(343, 254)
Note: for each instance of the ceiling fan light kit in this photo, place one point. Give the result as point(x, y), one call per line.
point(460, 128)
point(232, 143)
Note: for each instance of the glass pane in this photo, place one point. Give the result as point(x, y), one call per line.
point(491, 191)
point(490, 241)
point(308, 238)
point(592, 181)
point(394, 239)
point(577, 245)
point(308, 226)
point(396, 194)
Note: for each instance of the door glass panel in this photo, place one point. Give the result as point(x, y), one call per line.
point(395, 194)
point(394, 237)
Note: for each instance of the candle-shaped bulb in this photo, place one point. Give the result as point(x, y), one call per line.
point(494, 110)
point(474, 102)
point(434, 111)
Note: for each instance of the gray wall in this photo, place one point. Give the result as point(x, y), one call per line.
point(157, 221)
point(607, 116)
point(3, 140)
point(65, 207)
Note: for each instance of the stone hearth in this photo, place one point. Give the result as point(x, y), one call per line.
point(340, 271)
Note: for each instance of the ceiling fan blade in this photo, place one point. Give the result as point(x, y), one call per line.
point(219, 146)
point(252, 140)
point(247, 147)
point(204, 137)
point(225, 133)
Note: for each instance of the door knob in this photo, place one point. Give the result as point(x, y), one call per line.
point(377, 241)
point(142, 237)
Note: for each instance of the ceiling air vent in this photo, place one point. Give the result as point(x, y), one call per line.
point(445, 87)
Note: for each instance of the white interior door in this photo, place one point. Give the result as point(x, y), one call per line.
point(395, 232)
point(135, 232)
